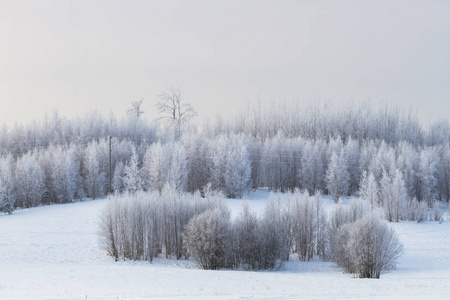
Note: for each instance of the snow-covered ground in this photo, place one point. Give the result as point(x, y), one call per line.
point(52, 252)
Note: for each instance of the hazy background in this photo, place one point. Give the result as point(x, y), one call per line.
point(77, 55)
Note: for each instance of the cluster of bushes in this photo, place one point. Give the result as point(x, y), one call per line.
point(140, 226)
point(144, 225)
point(248, 242)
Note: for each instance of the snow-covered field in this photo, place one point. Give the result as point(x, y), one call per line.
point(52, 252)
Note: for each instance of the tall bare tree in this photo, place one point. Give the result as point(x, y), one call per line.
point(136, 108)
point(172, 108)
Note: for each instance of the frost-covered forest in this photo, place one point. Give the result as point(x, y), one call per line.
point(384, 153)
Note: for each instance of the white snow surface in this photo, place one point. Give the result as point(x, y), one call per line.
point(53, 252)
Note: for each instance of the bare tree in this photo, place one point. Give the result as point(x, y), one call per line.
point(136, 108)
point(172, 108)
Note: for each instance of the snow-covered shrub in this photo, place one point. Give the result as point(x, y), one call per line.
point(208, 238)
point(373, 248)
point(322, 225)
point(416, 211)
point(358, 208)
point(275, 236)
point(366, 246)
point(341, 216)
point(340, 252)
point(263, 243)
point(176, 213)
point(435, 212)
point(108, 230)
point(208, 199)
point(308, 225)
point(248, 233)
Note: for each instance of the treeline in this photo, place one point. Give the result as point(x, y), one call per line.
point(144, 225)
point(361, 121)
point(388, 156)
point(55, 130)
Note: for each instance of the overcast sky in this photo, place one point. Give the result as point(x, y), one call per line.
point(74, 56)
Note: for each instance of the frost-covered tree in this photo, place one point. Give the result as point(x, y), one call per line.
point(177, 174)
point(29, 181)
point(275, 168)
point(428, 167)
point(7, 193)
point(368, 189)
point(217, 162)
point(446, 173)
point(238, 169)
point(337, 176)
point(393, 195)
point(335, 144)
point(439, 133)
point(368, 151)
point(95, 179)
point(352, 153)
point(65, 179)
point(197, 162)
point(399, 197)
point(156, 164)
point(75, 182)
point(408, 162)
point(230, 165)
point(117, 180)
point(59, 174)
point(312, 172)
point(383, 160)
point(132, 180)
point(386, 196)
point(135, 109)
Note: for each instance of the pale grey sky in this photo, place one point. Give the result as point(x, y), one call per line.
point(78, 55)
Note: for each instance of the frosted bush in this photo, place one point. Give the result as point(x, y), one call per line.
point(208, 238)
point(436, 212)
point(416, 211)
point(373, 248)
